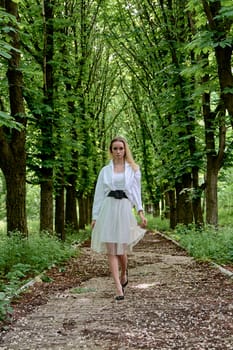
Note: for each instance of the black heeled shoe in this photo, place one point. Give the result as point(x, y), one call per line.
point(125, 284)
point(121, 297)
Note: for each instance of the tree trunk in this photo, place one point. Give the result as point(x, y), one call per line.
point(46, 202)
point(214, 159)
point(172, 206)
point(60, 213)
point(211, 192)
point(15, 177)
point(224, 59)
point(84, 204)
point(46, 123)
point(156, 209)
point(183, 200)
point(71, 217)
point(196, 199)
point(221, 27)
point(12, 142)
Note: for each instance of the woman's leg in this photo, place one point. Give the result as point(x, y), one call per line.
point(123, 261)
point(114, 268)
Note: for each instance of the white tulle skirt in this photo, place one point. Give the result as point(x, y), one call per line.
point(116, 230)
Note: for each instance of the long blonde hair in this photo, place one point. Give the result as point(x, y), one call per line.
point(128, 154)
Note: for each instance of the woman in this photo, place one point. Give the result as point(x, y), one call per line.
point(115, 229)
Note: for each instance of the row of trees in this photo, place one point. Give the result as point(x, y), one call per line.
point(81, 71)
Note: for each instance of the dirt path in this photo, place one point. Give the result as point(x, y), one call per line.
point(171, 302)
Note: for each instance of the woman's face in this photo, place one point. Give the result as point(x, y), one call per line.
point(118, 150)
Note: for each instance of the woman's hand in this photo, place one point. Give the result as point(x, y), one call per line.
point(93, 224)
point(143, 219)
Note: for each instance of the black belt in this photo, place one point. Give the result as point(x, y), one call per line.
point(118, 194)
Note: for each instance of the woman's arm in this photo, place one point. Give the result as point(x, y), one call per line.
point(143, 219)
point(98, 197)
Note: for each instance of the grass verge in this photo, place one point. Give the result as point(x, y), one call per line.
point(21, 259)
point(207, 244)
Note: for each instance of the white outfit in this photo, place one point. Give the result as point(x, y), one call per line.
point(116, 230)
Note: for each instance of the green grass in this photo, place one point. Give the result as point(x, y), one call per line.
point(22, 259)
point(156, 223)
point(207, 244)
point(30, 255)
point(225, 216)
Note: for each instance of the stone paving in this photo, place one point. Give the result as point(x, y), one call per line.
point(171, 302)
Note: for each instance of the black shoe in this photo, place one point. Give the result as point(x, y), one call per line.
point(125, 284)
point(120, 297)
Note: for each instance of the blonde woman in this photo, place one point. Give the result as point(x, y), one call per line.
point(114, 227)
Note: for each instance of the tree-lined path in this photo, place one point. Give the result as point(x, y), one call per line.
point(74, 74)
point(172, 302)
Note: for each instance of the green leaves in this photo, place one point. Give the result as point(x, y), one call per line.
point(9, 121)
point(5, 50)
point(5, 30)
point(226, 11)
point(202, 42)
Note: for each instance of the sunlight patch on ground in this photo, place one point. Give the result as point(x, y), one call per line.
point(146, 285)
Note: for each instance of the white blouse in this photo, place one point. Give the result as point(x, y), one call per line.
point(105, 184)
point(119, 180)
